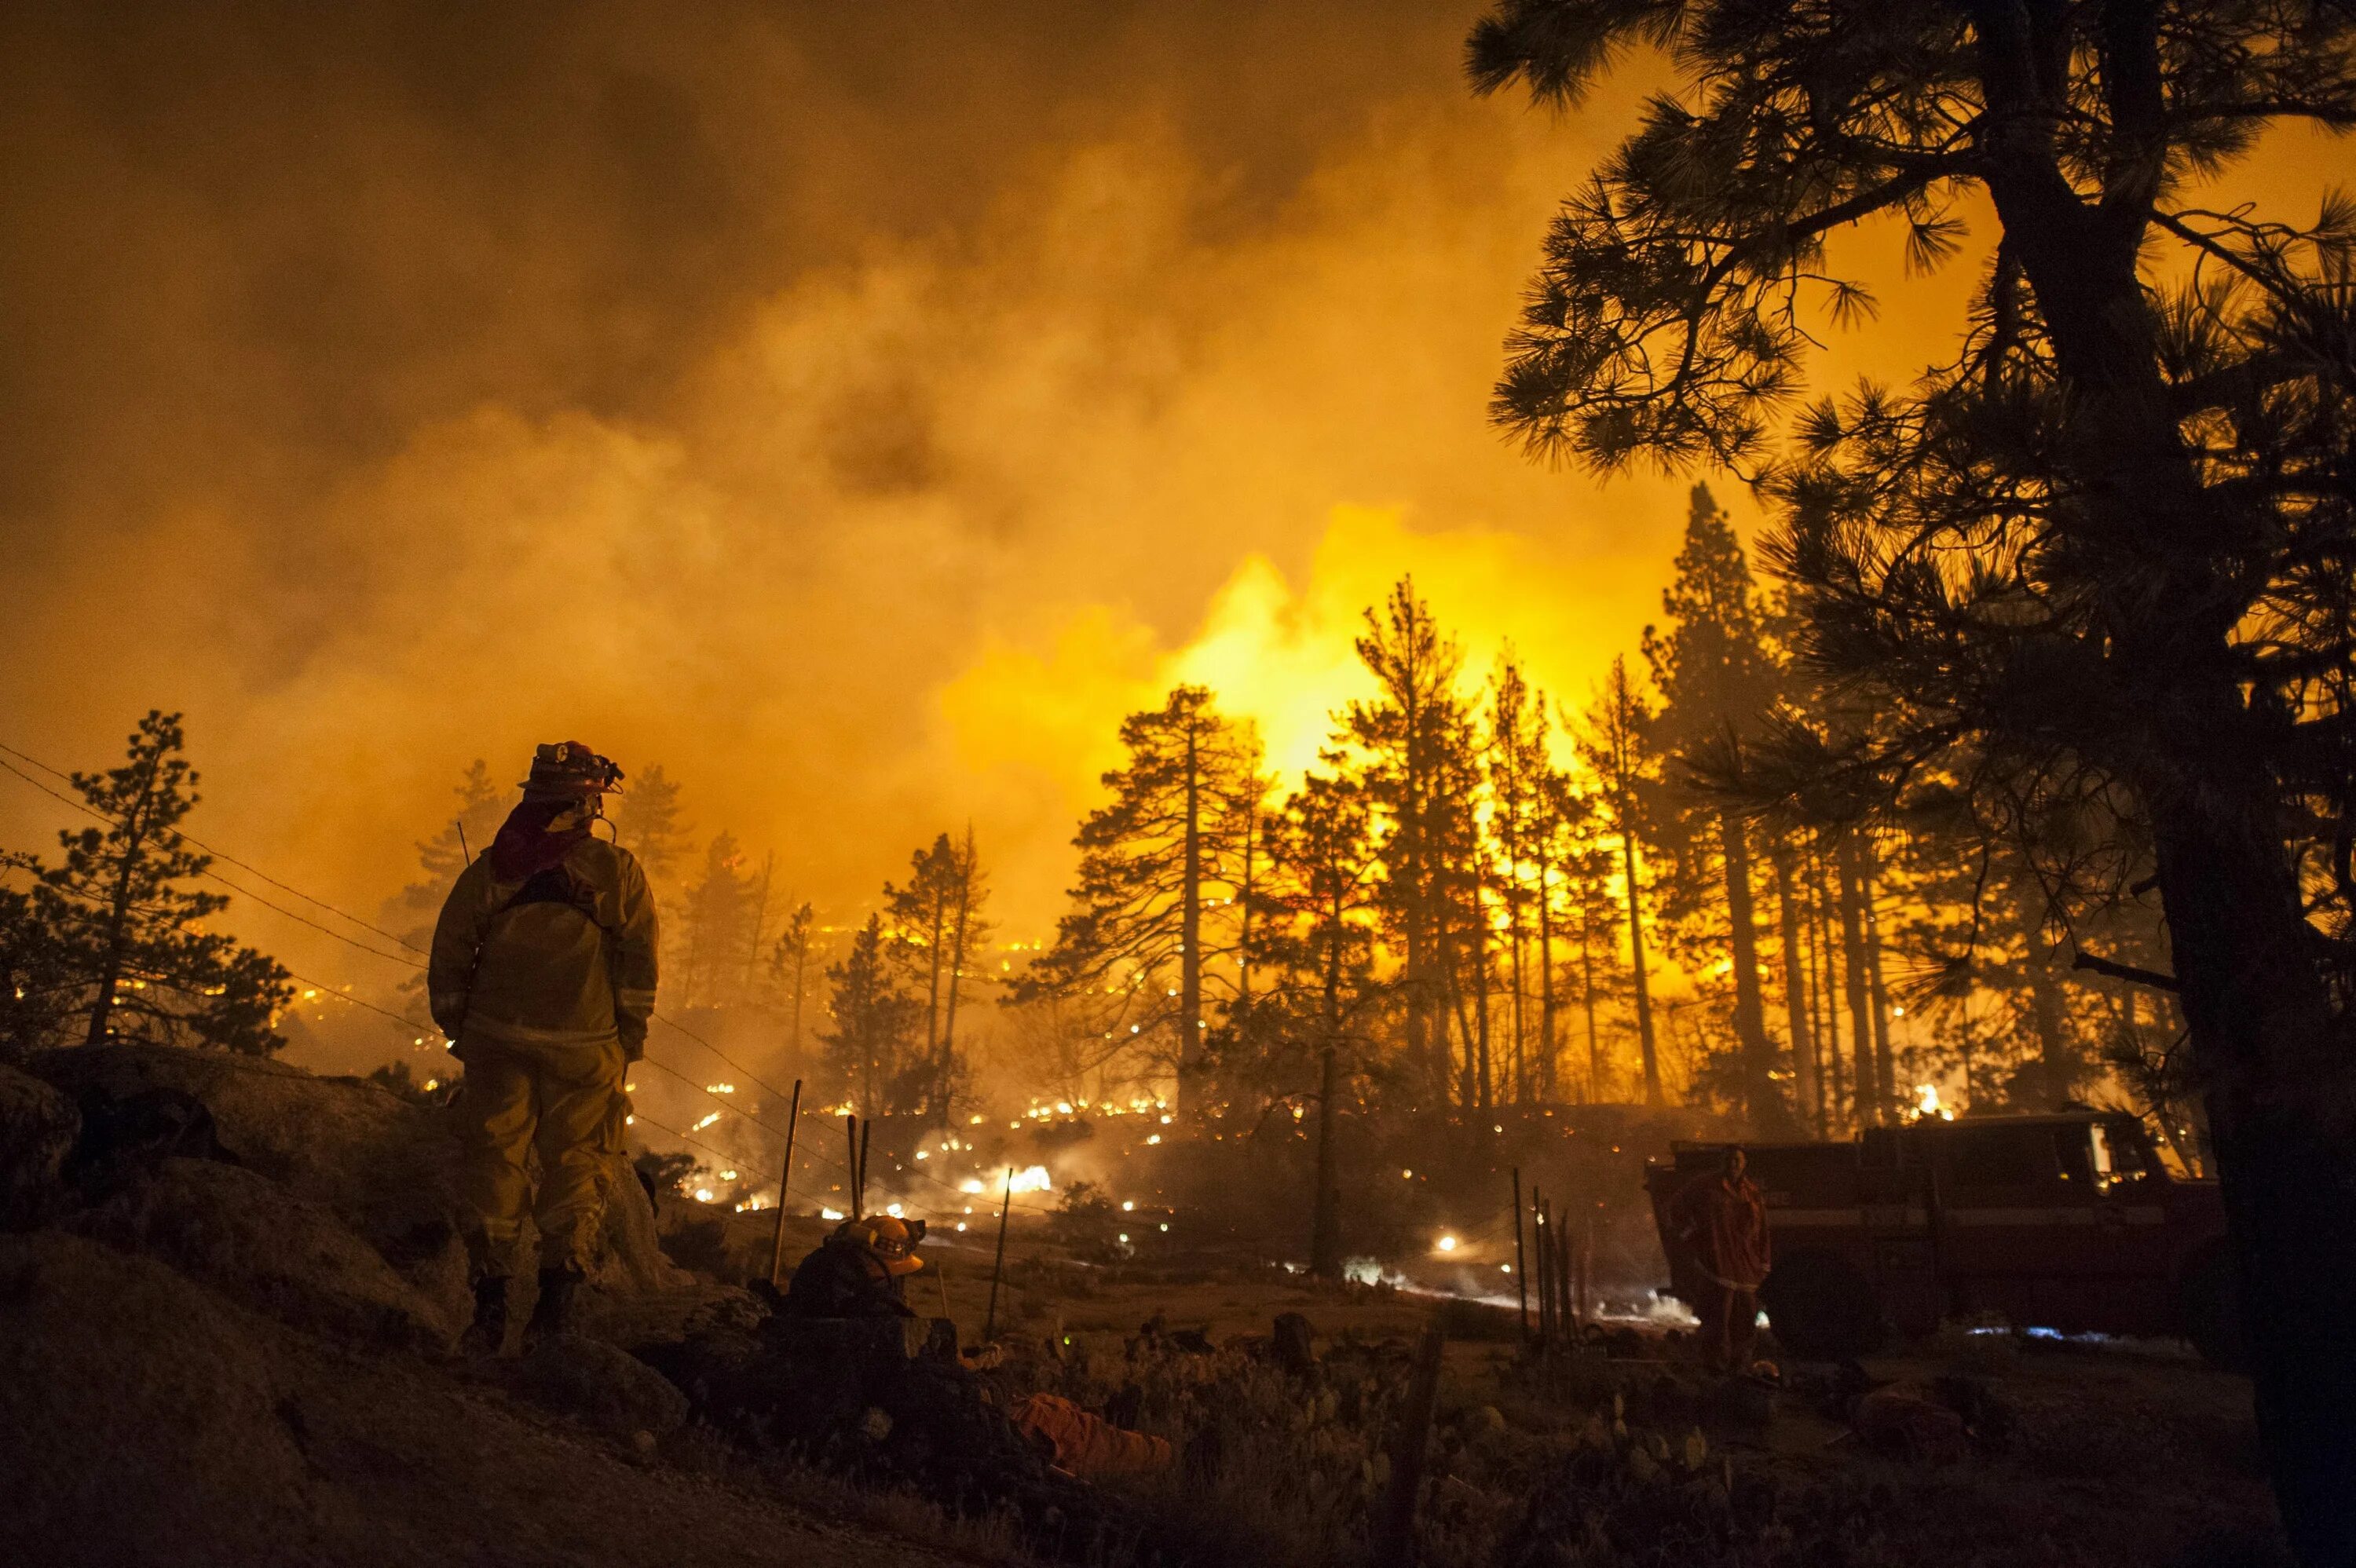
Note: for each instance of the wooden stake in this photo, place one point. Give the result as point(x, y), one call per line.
point(1547, 1270)
point(1564, 1302)
point(1394, 1536)
point(1521, 1264)
point(997, 1264)
point(866, 1133)
point(793, 1125)
point(1586, 1255)
point(850, 1133)
point(1539, 1242)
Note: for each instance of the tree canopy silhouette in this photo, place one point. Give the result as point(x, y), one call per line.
point(2106, 546)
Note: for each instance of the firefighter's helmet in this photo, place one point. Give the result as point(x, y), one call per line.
point(892, 1240)
point(570, 771)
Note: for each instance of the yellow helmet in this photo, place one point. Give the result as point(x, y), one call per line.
point(892, 1240)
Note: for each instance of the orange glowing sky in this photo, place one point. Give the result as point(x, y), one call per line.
point(855, 410)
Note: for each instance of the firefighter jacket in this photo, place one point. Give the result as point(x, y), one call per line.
point(1725, 1223)
point(564, 957)
point(842, 1279)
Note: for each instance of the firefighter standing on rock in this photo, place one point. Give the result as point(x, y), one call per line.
point(543, 977)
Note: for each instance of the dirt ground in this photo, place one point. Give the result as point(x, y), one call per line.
point(2095, 1453)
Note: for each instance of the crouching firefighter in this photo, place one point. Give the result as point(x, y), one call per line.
point(543, 977)
point(860, 1271)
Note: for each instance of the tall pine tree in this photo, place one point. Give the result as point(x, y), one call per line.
point(1415, 741)
point(1156, 861)
point(1614, 742)
point(1717, 682)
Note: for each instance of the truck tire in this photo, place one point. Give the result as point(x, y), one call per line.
point(2208, 1306)
point(1822, 1309)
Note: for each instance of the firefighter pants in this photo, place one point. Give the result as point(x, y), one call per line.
point(1730, 1324)
point(563, 1103)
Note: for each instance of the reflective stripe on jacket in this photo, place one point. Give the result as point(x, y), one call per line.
point(566, 957)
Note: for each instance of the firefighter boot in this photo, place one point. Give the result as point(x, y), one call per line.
point(551, 1317)
point(488, 1335)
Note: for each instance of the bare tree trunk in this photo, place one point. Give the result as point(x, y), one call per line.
point(118, 919)
point(1586, 996)
point(1825, 1015)
point(1518, 1053)
point(1885, 1069)
point(1870, 1094)
point(1763, 1103)
point(1549, 1048)
point(1806, 1087)
point(2047, 1010)
point(760, 916)
point(1486, 1078)
point(1325, 1214)
point(1636, 967)
point(1189, 931)
point(968, 863)
point(1242, 918)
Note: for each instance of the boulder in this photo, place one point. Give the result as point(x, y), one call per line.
point(385, 1168)
point(608, 1387)
point(863, 1339)
point(38, 1127)
point(269, 1248)
point(140, 1418)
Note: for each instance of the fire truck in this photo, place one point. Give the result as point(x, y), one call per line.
point(2066, 1223)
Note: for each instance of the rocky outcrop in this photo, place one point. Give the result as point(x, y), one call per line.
point(38, 1126)
point(136, 1416)
point(381, 1165)
point(609, 1388)
point(269, 1248)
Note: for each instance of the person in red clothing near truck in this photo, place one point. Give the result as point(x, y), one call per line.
point(1721, 1218)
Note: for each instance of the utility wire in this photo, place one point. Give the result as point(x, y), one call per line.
point(217, 854)
point(323, 989)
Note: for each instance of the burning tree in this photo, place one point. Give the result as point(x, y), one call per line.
point(2107, 546)
point(1416, 747)
point(869, 1052)
point(789, 961)
point(938, 921)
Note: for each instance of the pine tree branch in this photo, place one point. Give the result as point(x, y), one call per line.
point(2127, 972)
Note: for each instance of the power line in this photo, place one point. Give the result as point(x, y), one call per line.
point(290, 914)
point(86, 808)
point(323, 989)
point(217, 854)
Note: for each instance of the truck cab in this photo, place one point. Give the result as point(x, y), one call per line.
point(2067, 1222)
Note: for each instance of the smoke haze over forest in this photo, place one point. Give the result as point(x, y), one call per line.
point(855, 410)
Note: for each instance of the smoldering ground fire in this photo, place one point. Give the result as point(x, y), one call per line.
point(1258, 722)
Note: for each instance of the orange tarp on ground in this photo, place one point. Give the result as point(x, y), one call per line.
point(1088, 1444)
